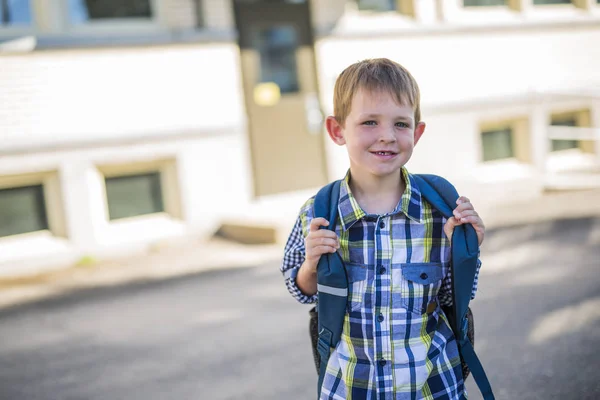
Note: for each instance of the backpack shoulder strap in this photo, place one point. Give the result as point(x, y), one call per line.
point(438, 191)
point(326, 203)
point(465, 252)
point(332, 282)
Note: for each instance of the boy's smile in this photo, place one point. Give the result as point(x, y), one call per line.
point(379, 134)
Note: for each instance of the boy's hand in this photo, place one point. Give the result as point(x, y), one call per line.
point(319, 242)
point(464, 213)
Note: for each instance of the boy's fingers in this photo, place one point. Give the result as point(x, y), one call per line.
point(315, 223)
point(325, 241)
point(322, 233)
point(465, 213)
point(462, 199)
point(472, 219)
point(324, 249)
point(465, 206)
point(464, 209)
point(452, 222)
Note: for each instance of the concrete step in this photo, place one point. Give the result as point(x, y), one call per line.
point(247, 232)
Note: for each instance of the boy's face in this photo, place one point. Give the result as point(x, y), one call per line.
point(379, 134)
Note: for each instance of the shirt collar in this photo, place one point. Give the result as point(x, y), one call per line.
point(350, 211)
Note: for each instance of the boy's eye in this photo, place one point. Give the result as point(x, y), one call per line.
point(370, 123)
point(402, 125)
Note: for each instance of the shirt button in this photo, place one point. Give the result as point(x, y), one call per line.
point(382, 270)
point(380, 318)
point(423, 276)
point(382, 362)
point(381, 224)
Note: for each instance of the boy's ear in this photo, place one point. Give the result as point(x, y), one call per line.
point(419, 130)
point(335, 131)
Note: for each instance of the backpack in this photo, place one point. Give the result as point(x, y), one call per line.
point(326, 319)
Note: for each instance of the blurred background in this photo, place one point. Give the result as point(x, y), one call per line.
point(148, 147)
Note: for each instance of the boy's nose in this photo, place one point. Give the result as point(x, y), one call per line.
point(387, 135)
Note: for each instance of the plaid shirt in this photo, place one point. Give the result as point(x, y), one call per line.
point(396, 341)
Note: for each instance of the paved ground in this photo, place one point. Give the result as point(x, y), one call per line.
point(237, 334)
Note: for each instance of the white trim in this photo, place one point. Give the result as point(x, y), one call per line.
point(341, 292)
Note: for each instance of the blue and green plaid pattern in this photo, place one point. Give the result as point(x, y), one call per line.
point(392, 345)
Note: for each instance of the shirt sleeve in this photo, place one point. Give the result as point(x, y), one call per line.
point(445, 293)
point(293, 257)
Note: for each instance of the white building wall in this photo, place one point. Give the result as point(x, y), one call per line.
point(88, 95)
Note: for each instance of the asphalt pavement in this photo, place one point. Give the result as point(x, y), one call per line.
point(237, 334)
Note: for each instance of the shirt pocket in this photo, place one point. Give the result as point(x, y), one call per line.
point(357, 285)
point(421, 283)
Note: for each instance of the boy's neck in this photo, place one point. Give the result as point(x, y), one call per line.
point(377, 195)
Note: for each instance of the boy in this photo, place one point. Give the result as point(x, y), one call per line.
point(396, 342)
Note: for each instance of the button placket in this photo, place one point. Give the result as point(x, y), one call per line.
point(381, 302)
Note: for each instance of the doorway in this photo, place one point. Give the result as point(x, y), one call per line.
point(285, 121)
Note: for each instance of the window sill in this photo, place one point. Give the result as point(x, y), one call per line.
point(140, 229)
point(365, 22)
point(570, 160)
point(503, 170)
point(28, 247)
point(461, 21)
point(104, 37)
point(122, 25)
point(556, 13)
point(483, 16)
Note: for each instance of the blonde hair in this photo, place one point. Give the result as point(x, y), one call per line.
point(372, 75)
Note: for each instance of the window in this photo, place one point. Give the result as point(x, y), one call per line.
point(15, 12)
point(497, 144)
point(277, 48)
point(22, 210)
point(484, 3)
point(377, 5)
point(133, 195)
point(83, 11)
point(551, 2)
point(558, 145)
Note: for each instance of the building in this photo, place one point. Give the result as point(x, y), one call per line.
point(125, 122)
